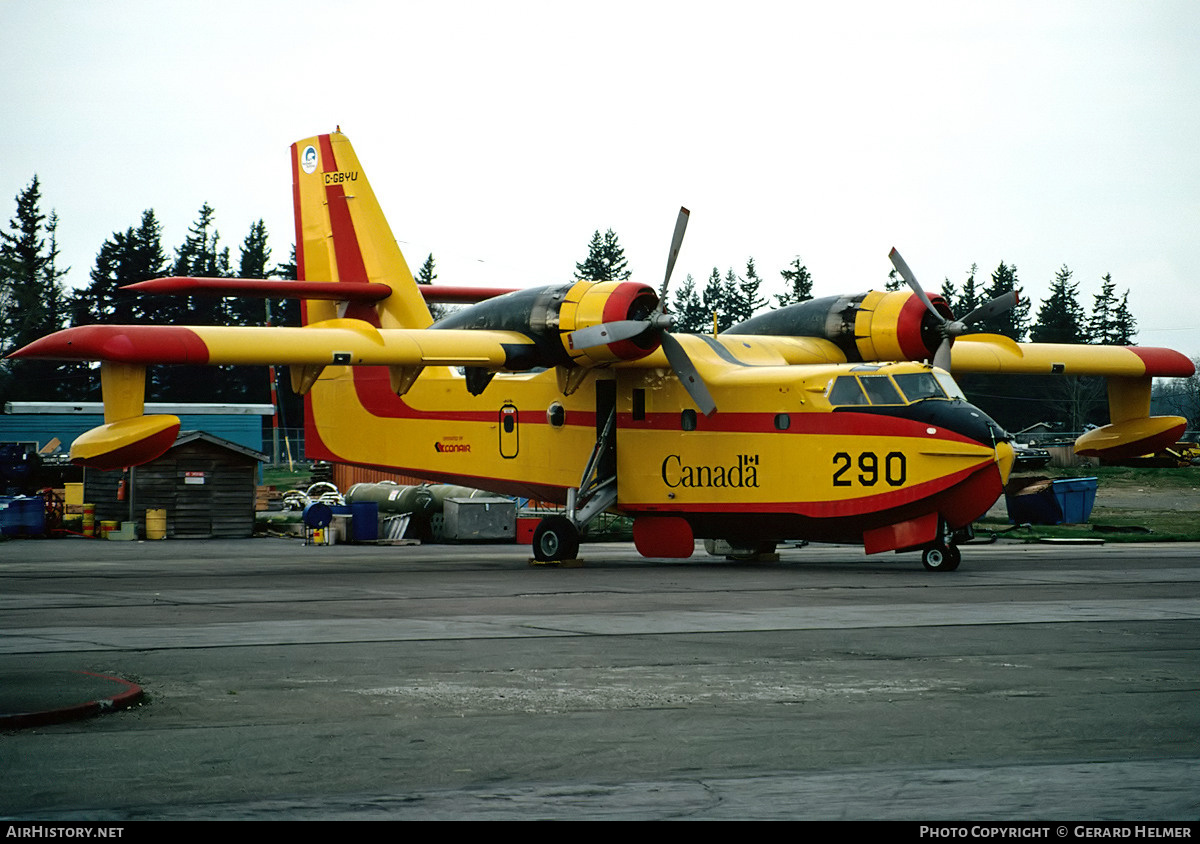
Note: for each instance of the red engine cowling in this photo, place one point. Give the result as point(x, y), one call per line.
point(866, 327)
point(589, 303)
point(897, 326)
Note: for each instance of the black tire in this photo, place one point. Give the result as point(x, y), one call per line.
point(555, 538)
point(941, 558)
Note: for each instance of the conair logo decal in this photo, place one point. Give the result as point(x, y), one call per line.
point(452, 447)
point(308, 161)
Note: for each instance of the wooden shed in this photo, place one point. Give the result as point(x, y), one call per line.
point(206, 484)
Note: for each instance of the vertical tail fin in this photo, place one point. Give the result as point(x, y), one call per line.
point(342, 235)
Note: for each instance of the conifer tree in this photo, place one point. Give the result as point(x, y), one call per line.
point(1104, 306)
point(751, 286)
point(253, 260)
point(969, 299)
point(713, 300)
point(1013, 323)
point(949, 293)
point(688, 310)
point(797, 284)
point(255, 254)
point(426, 275)
point(741, 294)
point(605, 261)
point(734, 310)
point(22, 262)
point(32, 298)
point(614, 257)
point(125, 258)
point(202, 256)
point(1060, 318)
point(1124, 325)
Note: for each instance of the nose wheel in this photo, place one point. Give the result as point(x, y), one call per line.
point(941, 557)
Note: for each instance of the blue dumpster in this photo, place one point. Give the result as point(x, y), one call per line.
point(1075, 498)
point(1040, 501)
point(1031, 501)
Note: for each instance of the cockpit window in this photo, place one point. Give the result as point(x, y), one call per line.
point(845, 390)
point(919, 385)
point(848, 390)
point(880, 389)
point(950, 385)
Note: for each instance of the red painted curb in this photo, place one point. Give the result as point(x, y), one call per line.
point(131, 695)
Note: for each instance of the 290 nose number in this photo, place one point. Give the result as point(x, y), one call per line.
point(895, 468)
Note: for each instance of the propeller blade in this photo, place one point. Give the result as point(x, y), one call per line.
point(994, 307)
point(907, 275)
point(941, 358)
point(676, 243)
point(685, 370)
point(607, 332)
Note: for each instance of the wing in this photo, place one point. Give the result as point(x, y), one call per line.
point(336, 341)
point(984, 353)
point(1129, 370)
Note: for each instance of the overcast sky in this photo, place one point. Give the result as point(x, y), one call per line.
point(499, 136)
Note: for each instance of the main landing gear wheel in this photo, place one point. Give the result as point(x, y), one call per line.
point(555, 538)
point(941, 558)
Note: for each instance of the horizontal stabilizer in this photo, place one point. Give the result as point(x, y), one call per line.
point(343, 291)
point(257, 288)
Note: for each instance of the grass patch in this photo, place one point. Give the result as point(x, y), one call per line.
point(1124, 477)
point(1128, 526)
point(284, 479)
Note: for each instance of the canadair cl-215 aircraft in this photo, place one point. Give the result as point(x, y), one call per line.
point(817, 421)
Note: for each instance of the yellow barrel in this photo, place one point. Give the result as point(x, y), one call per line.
point(156, 524)
point(89, 519)
point(106, 528)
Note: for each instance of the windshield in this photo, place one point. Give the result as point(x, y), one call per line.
point(919, 385)
point(866, 389)
point(880, 389)
point(851, 390)
point(950, 385)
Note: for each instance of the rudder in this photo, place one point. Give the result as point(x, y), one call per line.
point(343, 236)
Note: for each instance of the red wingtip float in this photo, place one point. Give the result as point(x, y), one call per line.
point(820, 420)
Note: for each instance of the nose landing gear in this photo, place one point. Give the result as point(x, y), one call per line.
point(943, 555)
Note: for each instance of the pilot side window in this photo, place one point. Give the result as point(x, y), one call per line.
point(845, 390)
point(881, 389)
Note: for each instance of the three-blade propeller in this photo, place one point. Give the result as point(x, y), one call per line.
point(951, 328)
point(658, 321)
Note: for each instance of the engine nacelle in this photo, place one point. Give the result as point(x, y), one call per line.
point(548, 315)
point(866, 327)
point(589, 304)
